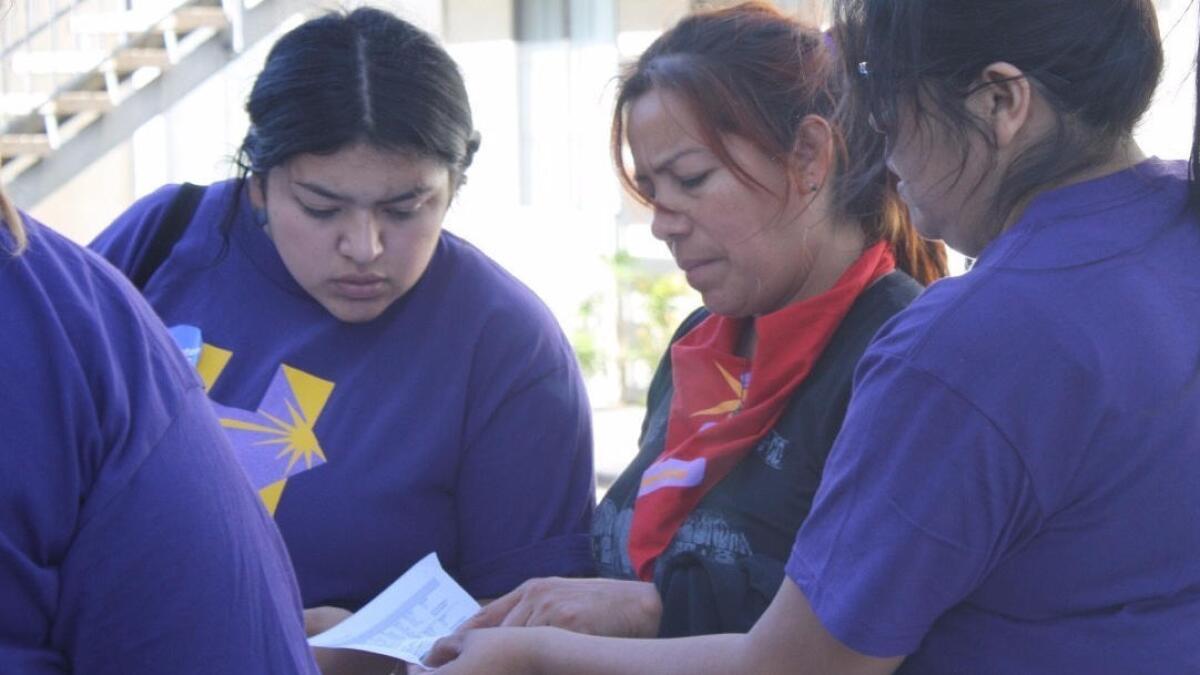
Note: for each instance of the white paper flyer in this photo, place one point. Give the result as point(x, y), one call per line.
point(404, 621)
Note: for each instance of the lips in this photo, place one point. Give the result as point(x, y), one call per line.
point(689, 265)
point(360, 286)
point(698, 272)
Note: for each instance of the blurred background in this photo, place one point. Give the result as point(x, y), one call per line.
point(102, 101)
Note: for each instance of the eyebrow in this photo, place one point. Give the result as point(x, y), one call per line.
point(418, 191)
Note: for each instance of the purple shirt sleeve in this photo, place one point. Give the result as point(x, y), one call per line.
point(921, 497)
point(547, 511)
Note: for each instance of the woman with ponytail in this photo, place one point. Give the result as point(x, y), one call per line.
point(1014, 489)
point(130, 542)
point(731, 117)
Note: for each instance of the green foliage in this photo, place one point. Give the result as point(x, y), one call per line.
point(584, 340)
point(652, 304)
point(652, 298)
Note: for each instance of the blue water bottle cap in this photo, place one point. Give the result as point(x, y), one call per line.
point(189, 340)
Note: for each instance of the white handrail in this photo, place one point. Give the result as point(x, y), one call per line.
point(50, 47)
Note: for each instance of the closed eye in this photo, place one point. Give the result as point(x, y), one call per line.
point(400, 214)
point(695, 181)
point(321, 214)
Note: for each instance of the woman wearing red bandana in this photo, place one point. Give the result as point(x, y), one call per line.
point(729, 117)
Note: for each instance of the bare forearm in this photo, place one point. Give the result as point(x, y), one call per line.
point(788, 639)
point(565, 652)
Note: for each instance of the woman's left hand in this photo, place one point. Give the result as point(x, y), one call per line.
point(609, 607)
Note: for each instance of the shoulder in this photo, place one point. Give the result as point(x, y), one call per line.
point(1005, 343)
point(877, 305)
point(890, 293)
point(982, 313)
point(61, 291)
point(105, 365)
point(480, 287)
point(149, 209)
point(144, 213)
point(73, 273)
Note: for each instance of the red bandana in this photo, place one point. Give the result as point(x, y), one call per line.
point(723, 404)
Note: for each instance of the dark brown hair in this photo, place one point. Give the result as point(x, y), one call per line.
point(356, 76)
point(753, 72)
point(1097, 63)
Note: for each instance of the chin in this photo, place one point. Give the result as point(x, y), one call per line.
point(724, 307)
point(355, 313)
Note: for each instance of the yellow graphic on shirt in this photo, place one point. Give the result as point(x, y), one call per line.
point(276, 441)
point(726, 407)
point(212, 361)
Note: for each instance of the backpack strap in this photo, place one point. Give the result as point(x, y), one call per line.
point(170, 230)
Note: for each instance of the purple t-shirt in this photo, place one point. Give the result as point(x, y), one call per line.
point(130, 541)
point(1016, 488)
point(456, 422)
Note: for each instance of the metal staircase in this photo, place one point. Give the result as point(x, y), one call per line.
point(78, 77)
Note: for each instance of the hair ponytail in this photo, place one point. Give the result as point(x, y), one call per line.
point(14, 223)
point(920, 258)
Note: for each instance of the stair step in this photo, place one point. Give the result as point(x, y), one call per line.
point(188, 19)
point(12, 145)
point(141, 57)
point(72, 102)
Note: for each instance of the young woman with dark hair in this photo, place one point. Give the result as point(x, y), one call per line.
point(1014, 487)
point(729, 119)
point(390, 390)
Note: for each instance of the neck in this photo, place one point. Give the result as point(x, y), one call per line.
point(830, 258)
point(1125, 154)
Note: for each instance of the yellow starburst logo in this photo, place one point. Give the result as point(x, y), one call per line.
point(732, 405)
point(286, 417)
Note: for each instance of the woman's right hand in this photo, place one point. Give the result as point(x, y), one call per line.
point(610, 607)
point(343, 661)
point(494, 652)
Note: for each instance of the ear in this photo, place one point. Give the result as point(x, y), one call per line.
point(812, 153)
point(1004, 101)
point(257, 185)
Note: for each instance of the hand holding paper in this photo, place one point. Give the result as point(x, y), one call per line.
point(404, 621)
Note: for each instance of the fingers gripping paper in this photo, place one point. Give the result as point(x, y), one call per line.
point(404, 621)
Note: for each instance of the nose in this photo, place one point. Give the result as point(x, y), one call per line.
point(361, 241)
point(668, 225)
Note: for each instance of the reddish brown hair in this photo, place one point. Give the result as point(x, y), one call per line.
point(753, 72)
